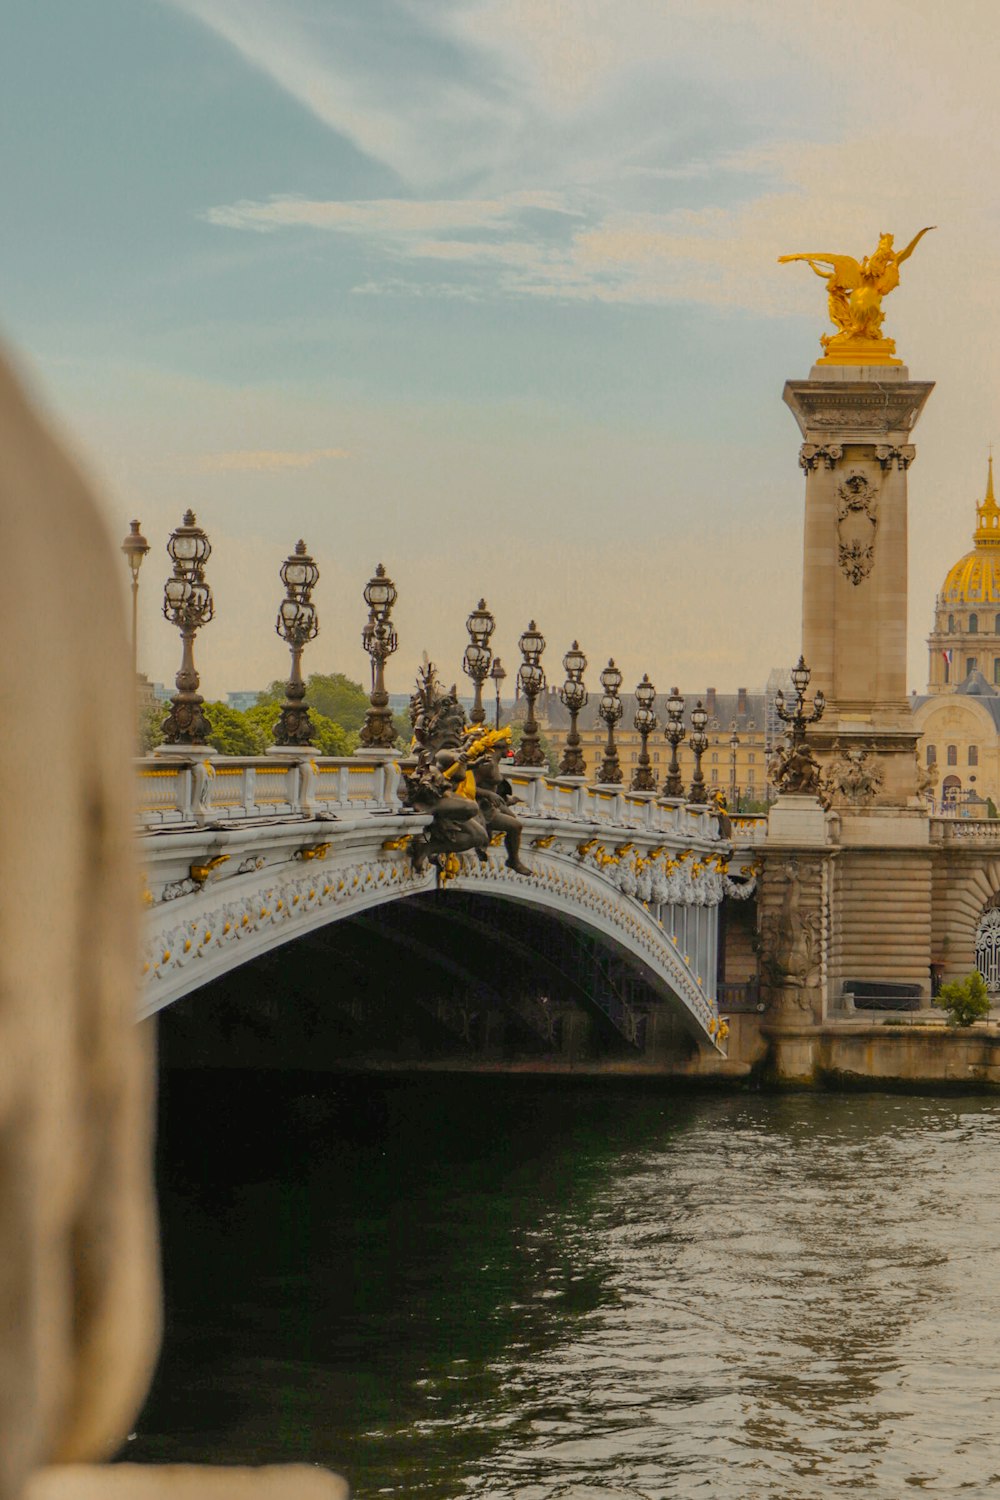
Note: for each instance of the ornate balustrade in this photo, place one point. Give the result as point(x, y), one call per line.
point(982, 832)
point(178, 792)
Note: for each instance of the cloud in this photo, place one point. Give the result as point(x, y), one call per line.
point(264, 460)
point(384, 216)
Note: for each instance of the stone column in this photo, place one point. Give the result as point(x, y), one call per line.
point(856, 423)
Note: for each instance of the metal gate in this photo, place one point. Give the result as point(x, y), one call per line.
point(988, 948)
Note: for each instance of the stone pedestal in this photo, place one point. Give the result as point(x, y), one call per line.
point(857, 423)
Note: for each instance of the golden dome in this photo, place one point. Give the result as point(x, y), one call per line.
point(975, 578)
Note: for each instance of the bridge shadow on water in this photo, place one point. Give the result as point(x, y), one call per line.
point(354, 1266)
point(444, 979)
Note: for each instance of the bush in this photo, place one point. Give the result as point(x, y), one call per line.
point(966, 1000)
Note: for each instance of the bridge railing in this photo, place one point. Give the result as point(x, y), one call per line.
point(219, 789)
point(964, 831)
point(184, 792)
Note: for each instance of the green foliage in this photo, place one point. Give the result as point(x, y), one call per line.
point(331, 694)
point(149, 732)
point(991, 808)
point(231, 735)
point(966, 1000)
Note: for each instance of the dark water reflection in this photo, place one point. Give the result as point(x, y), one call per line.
point(449, 1287)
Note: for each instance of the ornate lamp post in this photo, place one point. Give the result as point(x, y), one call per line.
point(135, 548)
point(477, 658)
point(797, 717)
point(575, 697)
point(497, 676)
point(675, 732)
point(734, 745)
point(646, 722)
point(531, 677)
point(187, 603)
point(380, 641)
point(699, 744)
point(297, 625)
point(610, 710)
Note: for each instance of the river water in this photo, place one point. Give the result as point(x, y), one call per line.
point(448, 1287)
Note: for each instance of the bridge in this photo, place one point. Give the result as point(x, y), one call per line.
point(241, 855)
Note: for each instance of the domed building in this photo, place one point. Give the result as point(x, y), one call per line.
point(960, 715)
point(966, 634)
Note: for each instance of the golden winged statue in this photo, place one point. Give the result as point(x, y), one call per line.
point(855, 291)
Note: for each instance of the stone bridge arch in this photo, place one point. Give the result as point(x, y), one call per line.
point(201, 934)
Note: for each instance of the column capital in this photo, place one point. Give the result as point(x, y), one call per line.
point(811, 455)
point(902, 455)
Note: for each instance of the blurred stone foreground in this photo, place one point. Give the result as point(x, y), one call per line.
point(79, 1275)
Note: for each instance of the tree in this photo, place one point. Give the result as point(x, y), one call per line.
point(149, 731)
point(331, 694)
point(231, 735)
point(966, 1000)
point(329, 738)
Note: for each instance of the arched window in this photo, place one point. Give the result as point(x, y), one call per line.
point(973, 755)
point(973, 624)
point(951, 624)
point(953, 755)
point(932, 755)
point(950, 789)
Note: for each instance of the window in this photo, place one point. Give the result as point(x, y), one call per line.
point(996, 625)
point(953, 755)
point(750, 777)
point(656, 757)
point(951, 624)
point(973, 755)
point(715, 759)
point(996, 669)
point(932, 755)
point(752, 758)
point(973, 624)
point(947, 670)
point(970, 664)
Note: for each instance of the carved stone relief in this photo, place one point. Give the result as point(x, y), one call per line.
point(857, 524)
point(811, 455)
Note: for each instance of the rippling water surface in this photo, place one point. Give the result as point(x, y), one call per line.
point(447, 1287)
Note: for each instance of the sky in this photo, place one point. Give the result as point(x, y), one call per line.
point(487, 290)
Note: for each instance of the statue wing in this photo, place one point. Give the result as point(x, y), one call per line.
point(905, 254)
point(845, 268)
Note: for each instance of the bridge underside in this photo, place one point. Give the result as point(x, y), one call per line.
point(432, 981)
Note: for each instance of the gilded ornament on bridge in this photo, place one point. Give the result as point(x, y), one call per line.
point(457, 779)
point(854, 299)
point(857, 523)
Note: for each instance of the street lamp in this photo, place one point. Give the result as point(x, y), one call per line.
point(734, 745)
point(380, 641)
point(646, 722)
point(610, 710)
point(531, 677)
point(297, 625)
point(187, 603)
point(574, 696)
point(797, 717)
point(477, 658)
point(675, 732)
point(135, 548)
point(497, 676)
point(699, 744)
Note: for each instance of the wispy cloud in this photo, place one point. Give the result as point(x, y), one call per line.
point(385, 216)
point(265, 459)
